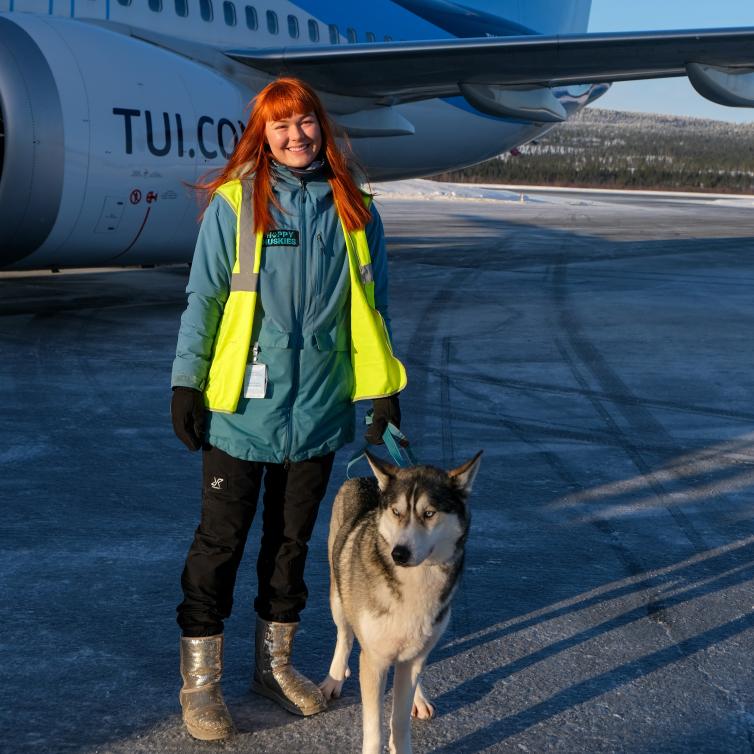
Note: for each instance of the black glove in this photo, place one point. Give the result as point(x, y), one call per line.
point(187, 410)
point(384, 410)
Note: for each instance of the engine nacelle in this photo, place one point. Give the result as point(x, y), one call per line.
point(100, 134)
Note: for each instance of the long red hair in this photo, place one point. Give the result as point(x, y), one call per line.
point(281, 99)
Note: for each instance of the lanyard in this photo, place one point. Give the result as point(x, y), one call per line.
point(402, 456)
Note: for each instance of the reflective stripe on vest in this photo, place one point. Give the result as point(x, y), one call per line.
point(376, 371)
point(231, 348)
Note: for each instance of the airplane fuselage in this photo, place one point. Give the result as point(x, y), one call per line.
point(109, 108)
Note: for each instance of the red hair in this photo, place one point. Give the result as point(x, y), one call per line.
point(279, 100)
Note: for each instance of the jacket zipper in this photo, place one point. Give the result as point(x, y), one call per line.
point(296, 356)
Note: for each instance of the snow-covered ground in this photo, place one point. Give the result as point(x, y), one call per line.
point(422, 188)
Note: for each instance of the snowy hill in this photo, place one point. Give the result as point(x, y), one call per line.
point(610, 149)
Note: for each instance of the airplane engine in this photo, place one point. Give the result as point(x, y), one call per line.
point(99, 134)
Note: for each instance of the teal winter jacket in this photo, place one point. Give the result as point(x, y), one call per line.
point(301, 323)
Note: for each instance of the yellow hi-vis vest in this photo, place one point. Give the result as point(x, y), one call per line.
point(376, 371)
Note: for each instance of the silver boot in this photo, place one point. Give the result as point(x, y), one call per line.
point(204, 711)
point(276, 678)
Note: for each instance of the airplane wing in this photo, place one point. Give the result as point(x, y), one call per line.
point(395, 72)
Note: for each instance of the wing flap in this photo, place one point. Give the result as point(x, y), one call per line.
point(395, 72)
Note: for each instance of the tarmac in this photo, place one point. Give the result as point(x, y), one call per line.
point(598, 348)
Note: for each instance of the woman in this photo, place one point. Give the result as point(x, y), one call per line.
point(286, 326)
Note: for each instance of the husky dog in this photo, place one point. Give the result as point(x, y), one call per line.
point(396, 549)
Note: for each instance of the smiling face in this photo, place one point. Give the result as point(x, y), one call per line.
point(294, 141)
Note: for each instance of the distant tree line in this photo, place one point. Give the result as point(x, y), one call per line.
point(609, 149)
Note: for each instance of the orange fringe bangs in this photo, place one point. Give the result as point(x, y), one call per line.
point(279, 100)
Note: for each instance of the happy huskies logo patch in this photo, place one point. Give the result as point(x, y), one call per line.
point(280, 238)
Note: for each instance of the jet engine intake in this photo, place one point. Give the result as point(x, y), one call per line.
point(31, 145)
point(103, 135)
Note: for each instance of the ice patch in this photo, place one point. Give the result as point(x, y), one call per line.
point(23, 452)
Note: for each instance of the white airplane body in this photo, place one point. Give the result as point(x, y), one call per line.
point(109, 107)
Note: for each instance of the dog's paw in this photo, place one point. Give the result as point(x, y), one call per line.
point(422, 708)
point(330, 688)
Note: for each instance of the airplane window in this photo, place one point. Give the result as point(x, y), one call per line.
point(252, 22)
point(125, 2)
point(155, 5)
point(229, 11)
point(388, 38)
point(351, 34)
point(293, 26)
point(205, 10)
point(313, 30)
point(371, 37)
point(272, 22)
point(334, 35)
point(181, 8)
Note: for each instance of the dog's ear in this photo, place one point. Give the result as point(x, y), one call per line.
point(465, 475)
point(383, 471)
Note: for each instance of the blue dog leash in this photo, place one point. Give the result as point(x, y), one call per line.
point(402, 455)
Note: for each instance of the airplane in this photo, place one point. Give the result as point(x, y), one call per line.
point(109, 108)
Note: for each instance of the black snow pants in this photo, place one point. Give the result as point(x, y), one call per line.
point(229, 499)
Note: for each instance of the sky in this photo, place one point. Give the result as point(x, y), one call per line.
point(672, 96)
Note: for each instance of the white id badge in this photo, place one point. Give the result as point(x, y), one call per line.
point(255, 381)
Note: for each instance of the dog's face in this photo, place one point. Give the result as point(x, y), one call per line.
point(423, 510)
